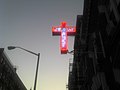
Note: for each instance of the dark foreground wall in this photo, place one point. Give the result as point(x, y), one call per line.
point(96, 63)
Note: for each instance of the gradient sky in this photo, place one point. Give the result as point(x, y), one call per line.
point(28, 23)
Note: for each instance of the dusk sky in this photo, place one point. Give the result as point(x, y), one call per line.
point(28, 24)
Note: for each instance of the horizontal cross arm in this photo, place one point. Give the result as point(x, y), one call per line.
point(56, 30)
point(71, 30)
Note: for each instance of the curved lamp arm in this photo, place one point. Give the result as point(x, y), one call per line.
point(13, 47)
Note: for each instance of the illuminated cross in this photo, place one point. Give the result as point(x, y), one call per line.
point(64, 31)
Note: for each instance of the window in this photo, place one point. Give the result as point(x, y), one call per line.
point(118, 7)
point(112, 18)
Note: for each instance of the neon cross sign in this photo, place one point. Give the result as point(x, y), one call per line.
point(64, 31)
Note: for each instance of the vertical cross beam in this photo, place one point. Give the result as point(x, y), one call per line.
point(64, 31)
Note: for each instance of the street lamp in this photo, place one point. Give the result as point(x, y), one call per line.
point(13, 47)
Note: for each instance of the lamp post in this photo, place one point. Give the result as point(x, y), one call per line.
point(13, 47)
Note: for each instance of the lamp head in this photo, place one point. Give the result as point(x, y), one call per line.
point(11, 47)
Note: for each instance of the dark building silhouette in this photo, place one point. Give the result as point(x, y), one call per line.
point(9, 79)
point(96, 63)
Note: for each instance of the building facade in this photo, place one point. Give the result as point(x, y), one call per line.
point(9, 79)
point(96, 63)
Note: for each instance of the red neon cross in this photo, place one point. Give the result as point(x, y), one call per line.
point(64, 31)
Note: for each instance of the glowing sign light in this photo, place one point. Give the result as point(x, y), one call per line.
point(64, 31)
